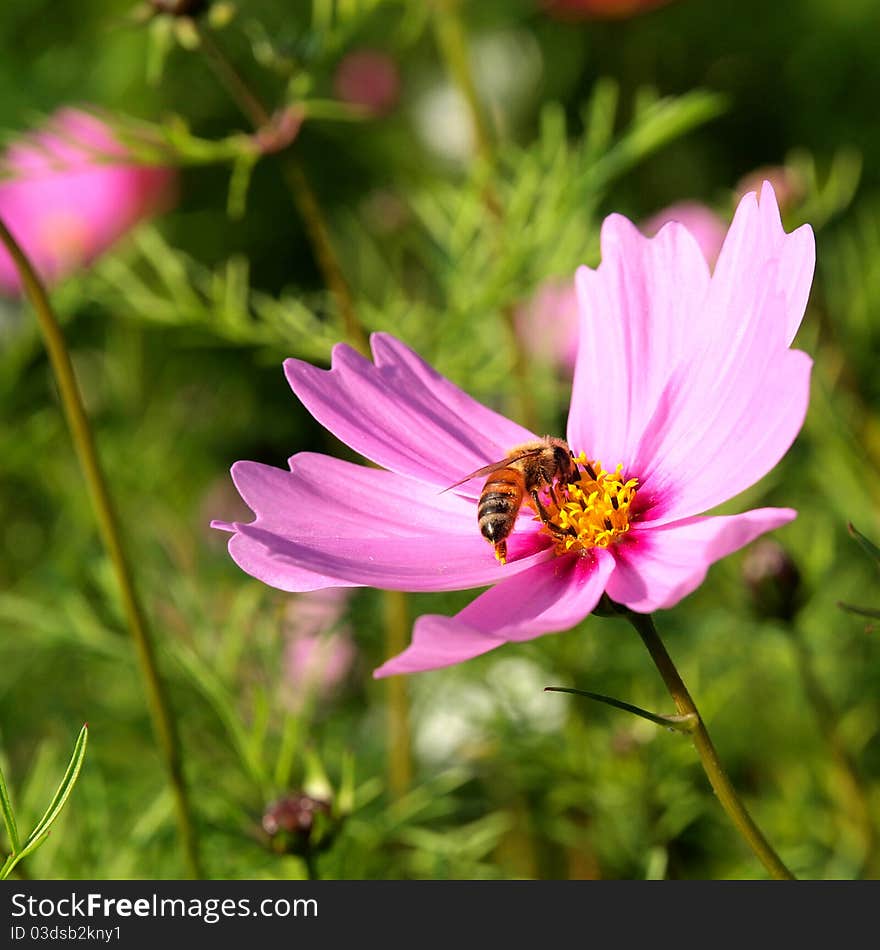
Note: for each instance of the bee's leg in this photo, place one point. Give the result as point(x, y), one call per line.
point(544, 515)
point(501, 551)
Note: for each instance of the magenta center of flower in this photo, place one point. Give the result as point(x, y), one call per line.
point(592, 512)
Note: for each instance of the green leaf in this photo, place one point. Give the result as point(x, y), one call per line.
point(872, 550)
point(44, 825)
point(8, 815)
point(656, 124)
point(160, 40)
point(239, 183)
point(686, 723)
point(598, 119)
point(870, 612)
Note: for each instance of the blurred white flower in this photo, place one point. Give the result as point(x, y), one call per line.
point(507, 67)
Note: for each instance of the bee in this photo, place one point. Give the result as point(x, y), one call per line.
point(527, 470)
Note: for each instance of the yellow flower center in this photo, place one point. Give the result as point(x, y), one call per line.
point(592, 512)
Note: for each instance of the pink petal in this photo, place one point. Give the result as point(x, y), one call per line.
point(332, 523)
point(689, 383)
point(717, 434)
point(637, 315)
point(755, 237)
point(402, 414)
point(756, 297)
point(692, 385)
point(704, 224)
point(657, 567)
point(552, 596)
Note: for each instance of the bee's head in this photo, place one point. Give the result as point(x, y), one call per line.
point(565, 463)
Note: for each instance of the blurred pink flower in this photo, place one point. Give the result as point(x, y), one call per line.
point(368, 78)
point(69, 191)
point(787, 182)
point(704, 224)
point(548, 324)
point(685, 388)
point(599, 9)
point(319, 651)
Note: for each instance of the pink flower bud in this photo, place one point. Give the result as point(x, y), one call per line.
point(370, 79)
point(298, 824)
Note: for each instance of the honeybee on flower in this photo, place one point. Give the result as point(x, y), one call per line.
point(685, 388)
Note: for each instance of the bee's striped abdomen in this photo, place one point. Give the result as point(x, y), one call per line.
point(499, 504)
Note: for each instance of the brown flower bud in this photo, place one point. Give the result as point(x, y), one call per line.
point(298, 824)
point(773, 580)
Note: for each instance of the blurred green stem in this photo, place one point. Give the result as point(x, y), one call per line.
point(303, 195)
point(721, 784)
point(397, 628)
point(164, 722)
point(452, 41)
point(852, 785)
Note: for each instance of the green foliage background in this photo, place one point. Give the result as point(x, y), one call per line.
point(177, 338)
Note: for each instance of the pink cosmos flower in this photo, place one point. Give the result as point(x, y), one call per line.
point(66, 197)
point(548, 324)
point(599, 9)
point(685, 393)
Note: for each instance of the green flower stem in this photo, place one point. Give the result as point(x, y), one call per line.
point(397, 629)
point(300, 189)
point(725, 791)
point(319, 235)
point(452, 41)
point(160, 709)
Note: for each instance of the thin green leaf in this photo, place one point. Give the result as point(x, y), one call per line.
point(333, 110)
point(8, 865)
point(239, 183)
point(44, 825)
point(872, 550)
point(8, 815)
point(213, 689)
point(685, 723)
point(64, 789)
point(658, 124)
point(869, 612)
point(599, 118)
point(159, 43)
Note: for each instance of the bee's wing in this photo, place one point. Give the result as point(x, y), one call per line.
point(493, 467)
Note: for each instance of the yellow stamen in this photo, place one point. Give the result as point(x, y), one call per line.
point(592, 512)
